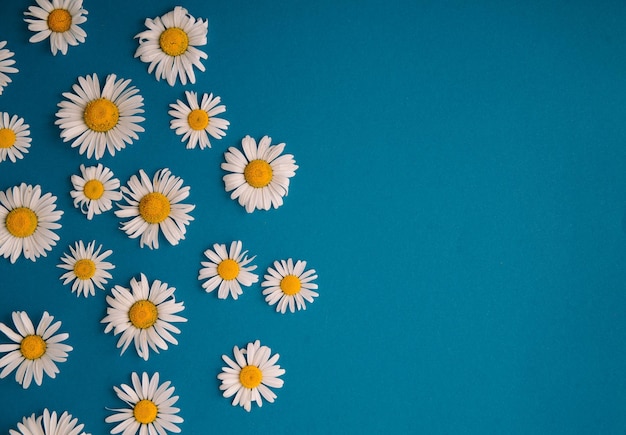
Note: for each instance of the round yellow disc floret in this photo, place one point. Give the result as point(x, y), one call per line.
point(290, 285)
point(174, 41)
point(21, 222)
point(154, 208)
point(101, 115)
point(7, 138)
point(143, 314)
point(94, 189)
point(59, 20)
point(258, 173)
point(84, 269)
point(228, 269)
point(145, 411)
point(198, 119)
point(32, 347)
point(250, 376)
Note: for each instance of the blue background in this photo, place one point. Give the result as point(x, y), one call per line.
point(461, 193)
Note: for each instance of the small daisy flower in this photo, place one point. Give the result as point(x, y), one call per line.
point(227, 269)
point(155, 205)
point(150, 407)
point(33, 351)
point(196, 121)
point(26, 222)
point(250, 374)
point(99, 120)
point(169, 45)
point(59, 21)
point(289, 285)
point(86, 267)
point(52, 425)
point(260, 175)
point(5, 65)
point(143, 314)
point(14, 137)
point(29, 426)
point(95, 190)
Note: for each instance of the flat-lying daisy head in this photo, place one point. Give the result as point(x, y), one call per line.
point(170, 45)
point(227, 270)
point(6, 62)
point(27, 221)
point(95, 189)
point(33, 351)
point(259, 177)
point(14, 137)
point(196, 121)
point(155, 205)
point(86, 267)
point(49, 424)
point(144, 315)
point(59, 21)
point(99, 120)
point(289, 285)
point(251, 375)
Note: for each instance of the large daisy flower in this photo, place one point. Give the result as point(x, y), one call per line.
point(250, 374)
point(150, 408)
point(169, 45)
point(14, 137)
point(155, 205)
point(260, 175)
point(289, 285)
point(33, 351)
point(26, 222)
point(196, 121)
point(5, 65)
point(58, 20)
point(143, 314)
point(95, 190)
point(52, 425)
point(86, 267)
point(100, 120)
point(228, 270)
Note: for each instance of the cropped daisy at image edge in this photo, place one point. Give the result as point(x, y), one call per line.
point(6, 66)
point(14, 137)
point(49, 424)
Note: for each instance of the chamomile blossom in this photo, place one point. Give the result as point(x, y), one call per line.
point(259, 177)
point(227, 270)
point(6, 62)
point(143, 315)
point(98, 120)
point(14, 137)
point(33, 351)
point(155, 204)
point(50, 424)
point(59, 21)
point(95, 190)
point(27, 221)
point(150, 407)
point(86, 267)
point(170, 45)
point(196, 121)
point(251, 375)
point(289, 285)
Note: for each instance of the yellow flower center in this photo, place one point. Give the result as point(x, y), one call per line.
point(59, 20)
point(143, 314)
point(84, 269)
point(101, 115)
point(154, 207)
point(94, 189)
point(198, 119)
point(258, 173)
point(21, 222)
point(174, 41)
point(290, 285)
point(228, 269)
point(7, 138)
point(145, 411)
point(33, 347)
point(250, 376)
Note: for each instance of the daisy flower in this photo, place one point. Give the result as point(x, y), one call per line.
point(196, 121)
point(14, 137)
point(150, 407)
point(52, 425)
point(57, 20)
point(289, 285)
point(227, 269)
point(5, 65)
point(169, 45)
point(86, 267)
point(95, 190)
point(155, 205)
point(260, 175)
point(143, 314)
point(33, 351)
point(97, 119)
point(250, 374)
point(27, 219)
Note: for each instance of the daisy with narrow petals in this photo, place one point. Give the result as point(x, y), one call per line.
point(27, 221)
point(155, 204)
point(227, 270)
point(86, 267)
point(144, 315)
point(6, 62)
point(289, 285)
point(14, 137)
point(58, 20)
point(251, 375)
point(259, 177)
point(150, 407)
point(49, 424)
point(196, 121)
point(169, 45)
point(29, 426)
point(33, 351)
point(95, 190)
point(98, 120)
